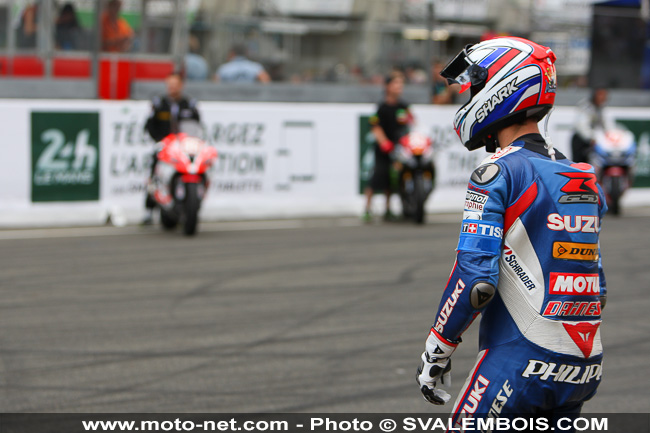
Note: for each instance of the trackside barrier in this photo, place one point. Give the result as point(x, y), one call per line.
point(79, 162)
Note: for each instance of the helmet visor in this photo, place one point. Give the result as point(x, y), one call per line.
point(462, 70)
point(457, 71)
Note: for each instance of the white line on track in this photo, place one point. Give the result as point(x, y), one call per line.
point(206, 227)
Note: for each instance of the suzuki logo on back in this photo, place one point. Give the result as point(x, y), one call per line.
point(581, 188)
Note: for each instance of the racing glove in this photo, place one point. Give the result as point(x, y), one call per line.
point(435, 369)
point(386, 146)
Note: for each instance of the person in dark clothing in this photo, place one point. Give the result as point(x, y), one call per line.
point(68, 34)
point(167, 113)
point(389, 124)
point(589, 119)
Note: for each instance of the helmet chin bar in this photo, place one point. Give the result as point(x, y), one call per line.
point(489, 137)
point(491, 143)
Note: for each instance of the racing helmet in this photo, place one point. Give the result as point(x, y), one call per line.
point(510, 79)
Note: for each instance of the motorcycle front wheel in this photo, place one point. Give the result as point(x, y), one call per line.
point(615, 194)
point(191, 208)
point(418, 198)
point(168, 219)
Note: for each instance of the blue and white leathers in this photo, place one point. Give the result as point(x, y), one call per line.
point(528, 260)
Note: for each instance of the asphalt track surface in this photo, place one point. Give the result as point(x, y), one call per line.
point(278, 316)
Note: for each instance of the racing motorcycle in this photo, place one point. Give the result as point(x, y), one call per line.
point(613, 155)
point(180, 178)
point(414, 156)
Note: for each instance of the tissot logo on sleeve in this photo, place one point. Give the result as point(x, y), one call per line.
point(482, 229)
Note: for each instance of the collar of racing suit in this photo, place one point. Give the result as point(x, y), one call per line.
point(536, 143)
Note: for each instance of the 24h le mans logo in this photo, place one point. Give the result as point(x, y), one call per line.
point(65, 156)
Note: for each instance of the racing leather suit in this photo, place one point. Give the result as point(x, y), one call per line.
point(528, 260)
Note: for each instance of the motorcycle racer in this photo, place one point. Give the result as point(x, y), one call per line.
point(528, 255)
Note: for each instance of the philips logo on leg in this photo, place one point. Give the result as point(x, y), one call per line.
point(563, 373)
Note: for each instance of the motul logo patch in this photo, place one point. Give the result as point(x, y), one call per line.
point(574, 284)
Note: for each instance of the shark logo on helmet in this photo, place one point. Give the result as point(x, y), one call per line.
point(496, 99)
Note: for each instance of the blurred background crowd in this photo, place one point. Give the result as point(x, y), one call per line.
point(322, 41)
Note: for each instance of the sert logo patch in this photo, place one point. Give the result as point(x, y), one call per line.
point(575, 251)
point(485, 174)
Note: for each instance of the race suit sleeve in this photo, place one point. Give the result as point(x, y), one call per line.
point(475, 275)
point(603, 284)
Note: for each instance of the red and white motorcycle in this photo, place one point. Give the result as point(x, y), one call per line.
point(181, 178)
point(417, 173)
